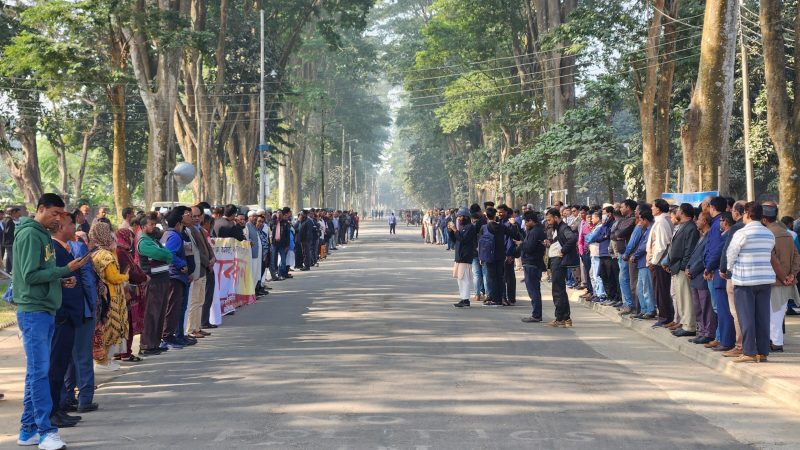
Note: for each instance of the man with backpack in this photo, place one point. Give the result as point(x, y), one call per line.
point(492, 255)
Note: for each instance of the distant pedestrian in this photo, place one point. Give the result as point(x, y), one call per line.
point(465, 235)
point(392, 224)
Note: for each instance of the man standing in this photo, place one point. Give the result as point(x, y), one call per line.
point(562, 252)
point(225, 226)
point(725, 334)
point(680, 251)
point(658, 242)
point(280, 244)
point(154, 260)
point(511, 233)
point(749, 255)
point(179, 277)
point(9, 226)
point(37, 293)
point(251, 232)
point(786, 263)
point(127, 216)
point(533, 263)
point(68, 317)
point(392, 224)
point(203, 270)
point(737, 212)
point(620, 238)
point(491, 252)
point(306, 237)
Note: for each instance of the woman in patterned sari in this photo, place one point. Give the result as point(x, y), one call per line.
point(112, 318)
point(136, 293)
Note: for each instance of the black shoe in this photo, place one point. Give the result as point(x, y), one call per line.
point(701, 340)
point(288, 275)
point(720, 348)
point(88, 408)
point(209, 326)
point(70, 407)
point(776, 348)
point(648, 316)
point(151, 351)
point(462, 304)
point(683, 333)
point(305, 269)
point(58, 422)
point(531, 319)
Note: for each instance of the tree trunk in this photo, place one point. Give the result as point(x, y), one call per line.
point(783, 117)
point(705, 134)
point(646, 83)
point(659, 163)
point(24, 169)
point(87, 137)
point(158, 87)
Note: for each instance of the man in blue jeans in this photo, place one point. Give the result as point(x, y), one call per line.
point(37, 292)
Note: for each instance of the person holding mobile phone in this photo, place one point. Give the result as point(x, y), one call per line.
point(37, 293)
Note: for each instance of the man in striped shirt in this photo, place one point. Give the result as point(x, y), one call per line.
point(749, 256)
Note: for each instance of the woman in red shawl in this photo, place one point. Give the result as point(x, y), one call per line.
point(136, 293)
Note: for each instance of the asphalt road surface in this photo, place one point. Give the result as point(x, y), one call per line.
point(367, 352)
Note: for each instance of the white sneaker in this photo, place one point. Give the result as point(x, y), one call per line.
point(32, 440)
point(52, 441)
point(110, 367)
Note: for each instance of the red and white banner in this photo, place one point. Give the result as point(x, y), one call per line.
point(233, 275)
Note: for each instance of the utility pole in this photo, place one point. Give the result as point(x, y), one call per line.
point(262, 144)
point(748, 161)
point(322, 162)
point(341, 173)
point(350, 176)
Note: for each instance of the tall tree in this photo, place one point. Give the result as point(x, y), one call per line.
point(705, 132)
point(783, 111)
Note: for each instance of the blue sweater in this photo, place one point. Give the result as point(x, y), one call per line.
point(634, 241)
point(641, 251)
point(88, 277)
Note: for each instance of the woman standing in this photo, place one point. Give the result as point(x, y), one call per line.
point(465, 235)
point(136, 291)
point(112, 323)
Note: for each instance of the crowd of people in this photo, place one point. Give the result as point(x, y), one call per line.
point(84, 288)
point(722, 274)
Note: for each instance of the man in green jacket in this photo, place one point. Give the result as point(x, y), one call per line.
point(154, 260)
point(37, 283)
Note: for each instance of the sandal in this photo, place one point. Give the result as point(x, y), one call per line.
point(133, 358)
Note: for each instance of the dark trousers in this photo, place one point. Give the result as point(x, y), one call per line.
point(80, 372)
point(559, 283)
point(661, 280)
point(533, 283)
point(181, 320)
point(510, 281)
point(609, 273)
point(205, 315)
point(634, 274)
point(586, 276)
point(308, 254)
point(60, 357)
point(173, 311)
point(753, 310)
point(704, 313)
point(155, 312)
point(392, 226)
point(496, 286)
point(727, 331)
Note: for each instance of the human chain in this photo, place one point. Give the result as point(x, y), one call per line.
point(722, 273)
point(83, 291)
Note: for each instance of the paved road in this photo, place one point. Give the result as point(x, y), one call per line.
point(367, 352)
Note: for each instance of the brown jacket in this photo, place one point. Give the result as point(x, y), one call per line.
point(202, 245)
point(785, 258)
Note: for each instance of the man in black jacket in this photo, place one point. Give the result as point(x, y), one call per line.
point(512, 233)
point(562, 252)
point(226, 226)
point(306, 238)
point(280, 243)
point(464, 236)
point(494, 265)
point(8, 227)
point(680, 251)
point(533, 262)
